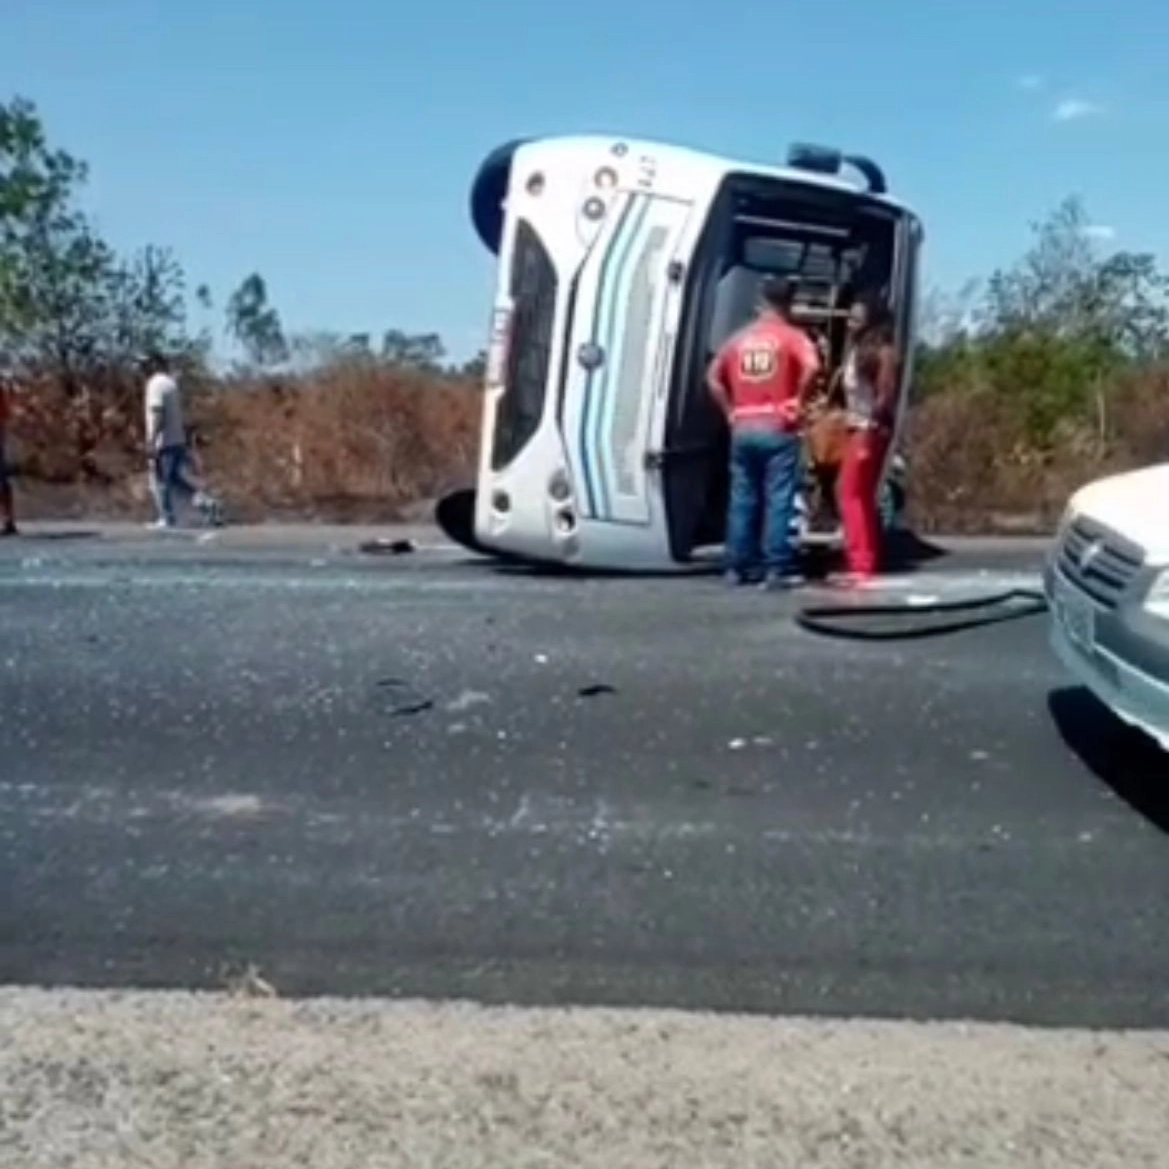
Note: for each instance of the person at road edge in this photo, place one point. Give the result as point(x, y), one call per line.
point(166, 445)
point(760, 379)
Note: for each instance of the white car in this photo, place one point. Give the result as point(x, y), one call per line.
point(1107, 582)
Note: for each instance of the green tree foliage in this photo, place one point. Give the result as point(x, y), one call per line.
point(254, 324)
point(316, 348)
point(69, 306)
point(418, 351)
point(1065, 288)
point(1050, 335)
point(475, 368)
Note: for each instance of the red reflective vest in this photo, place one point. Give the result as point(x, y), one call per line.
point(762, 367)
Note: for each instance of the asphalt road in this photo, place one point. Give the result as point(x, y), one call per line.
point(418, 776)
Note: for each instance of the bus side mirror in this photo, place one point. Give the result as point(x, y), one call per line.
point(873, 174)
point(823, 160)
point(827, 160)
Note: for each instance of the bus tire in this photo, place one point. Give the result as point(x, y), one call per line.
point(455, 516)
point(488, 192)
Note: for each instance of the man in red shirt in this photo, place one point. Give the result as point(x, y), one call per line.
point(760, 379)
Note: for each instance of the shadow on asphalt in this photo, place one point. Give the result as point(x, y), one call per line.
point(1126, 760)
point(905, 553)
point(72, 534)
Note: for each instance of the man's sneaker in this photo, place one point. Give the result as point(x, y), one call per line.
point(852, 581)
point(9, 529)
point(160, 525)
point(738, 577)
point(777, 582)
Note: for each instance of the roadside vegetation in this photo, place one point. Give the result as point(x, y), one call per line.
point(1039, 378)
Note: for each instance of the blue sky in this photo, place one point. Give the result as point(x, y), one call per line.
point(329, 145)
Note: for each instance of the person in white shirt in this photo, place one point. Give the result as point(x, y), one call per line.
point(166, 447)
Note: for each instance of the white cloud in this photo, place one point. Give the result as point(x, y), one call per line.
point(1100, 231)
point(1072, 109)
point(1031, 81)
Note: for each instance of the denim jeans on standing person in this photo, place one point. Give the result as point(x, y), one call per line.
point(168, 474)
point(765, 470)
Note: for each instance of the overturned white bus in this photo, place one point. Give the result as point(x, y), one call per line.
point(622, 266)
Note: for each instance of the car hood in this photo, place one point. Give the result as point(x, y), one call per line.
point(1135, 504)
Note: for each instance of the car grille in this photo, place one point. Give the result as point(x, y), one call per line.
point(533, 294)
point(1098, 561)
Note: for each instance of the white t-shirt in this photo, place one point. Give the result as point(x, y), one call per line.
point(162, 393)
point(860, 395)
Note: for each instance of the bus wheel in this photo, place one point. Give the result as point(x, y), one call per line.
point(455, 515)
point(488, 192)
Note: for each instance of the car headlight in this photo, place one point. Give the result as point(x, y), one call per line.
point(1157, 599)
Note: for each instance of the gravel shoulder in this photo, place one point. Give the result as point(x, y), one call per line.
point(97, 1080)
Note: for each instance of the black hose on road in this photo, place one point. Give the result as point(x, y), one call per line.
point(888, 621)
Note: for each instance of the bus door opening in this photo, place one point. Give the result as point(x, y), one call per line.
point(835, 245)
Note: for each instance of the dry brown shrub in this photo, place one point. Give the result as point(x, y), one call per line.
point(1138, 418)
point(973, 469)
point(360, 441)
point(354, 440)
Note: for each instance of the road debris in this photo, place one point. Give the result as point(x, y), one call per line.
point(249, 984)
point(384, 547)
point(405, 699)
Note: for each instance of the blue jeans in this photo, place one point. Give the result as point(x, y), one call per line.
point(765, 472)
point(168, 474)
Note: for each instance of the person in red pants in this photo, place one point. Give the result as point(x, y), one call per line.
point(871, 378)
